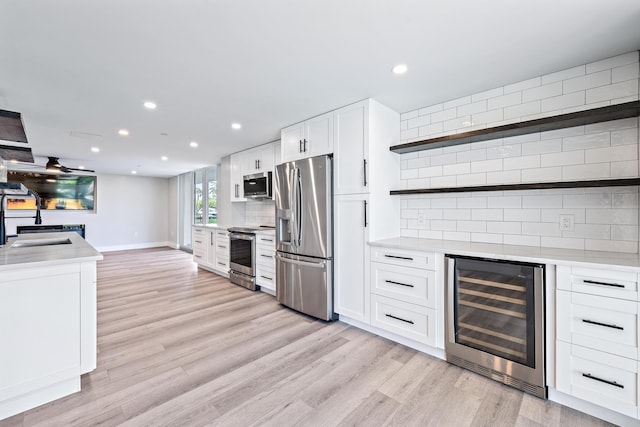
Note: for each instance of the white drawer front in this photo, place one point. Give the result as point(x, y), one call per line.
point(222, 265)
point(413, 259)
point(608, 283)
point(601, 323)
point(269, 240)
point(600, 378)
point(266, 279)
point(198, 256)
point(222, 235)
point(412, 285)
point(265, 256)
point(409, 320)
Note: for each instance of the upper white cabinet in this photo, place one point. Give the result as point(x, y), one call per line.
point(248, 162)
point(310, 138)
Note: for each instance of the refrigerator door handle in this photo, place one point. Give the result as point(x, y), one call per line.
point(299, 206)
point(319, 264)
point(292, 207)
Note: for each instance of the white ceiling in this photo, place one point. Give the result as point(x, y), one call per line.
point(86, 67)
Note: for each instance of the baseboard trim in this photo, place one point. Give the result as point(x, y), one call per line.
point(135, 246)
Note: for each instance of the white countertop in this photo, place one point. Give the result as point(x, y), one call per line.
point(516, 253)
point(21, 257)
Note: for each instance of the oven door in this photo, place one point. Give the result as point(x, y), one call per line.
point(242, 252)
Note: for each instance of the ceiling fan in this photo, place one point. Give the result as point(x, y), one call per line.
point(54, 165)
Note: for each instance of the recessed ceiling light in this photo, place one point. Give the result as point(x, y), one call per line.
point(236, 126)
point(165, 158)
point(399, 69)
point(193, 144)
point(134, 172)
point(123, 132)
point(95, 149)
point(80, 167)
point(150, 105)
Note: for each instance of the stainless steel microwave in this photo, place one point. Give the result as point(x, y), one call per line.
point(258, 186)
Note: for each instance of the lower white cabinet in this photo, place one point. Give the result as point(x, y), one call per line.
point(266, 262)
point(409, 320)
point(211, 249)
point(597, 357)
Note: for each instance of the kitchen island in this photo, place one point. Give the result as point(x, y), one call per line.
point(47, 318)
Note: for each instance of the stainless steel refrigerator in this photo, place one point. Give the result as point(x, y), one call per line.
point(304, 236)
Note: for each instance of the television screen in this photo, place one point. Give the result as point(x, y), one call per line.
point(70, 192)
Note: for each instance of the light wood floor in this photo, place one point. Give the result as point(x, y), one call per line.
point(180, 346)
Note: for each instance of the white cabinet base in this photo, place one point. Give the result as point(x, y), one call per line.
point(30, 400)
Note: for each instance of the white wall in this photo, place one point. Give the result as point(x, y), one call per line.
point(605, 218)
point(132, 212)
point(173, 213)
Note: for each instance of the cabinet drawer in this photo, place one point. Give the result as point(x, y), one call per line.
point(265, 256)
point(598, 377)
point(413, 259)
point(222, 265)
point(409, 320)
point(600, 323)
point(222, 235)
point(608, 283)
point(266, 240)
point(198, 233)
point(266, 279)
point(408, 284)
point(198, 256)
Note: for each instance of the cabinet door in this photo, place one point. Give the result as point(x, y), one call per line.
point(352, 291)
point(264, 158)
point(211, 248)
point(291, 142)
point(318, 136)
point(237, 171)
point(350, 130)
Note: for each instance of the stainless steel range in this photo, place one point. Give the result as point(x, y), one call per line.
point(242, 256)
point(495, 320)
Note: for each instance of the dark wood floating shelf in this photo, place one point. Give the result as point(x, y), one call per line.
point(579, 118)
point(532, 186)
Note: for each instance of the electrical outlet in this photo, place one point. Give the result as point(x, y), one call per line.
point(567, 222)
point(422, 217)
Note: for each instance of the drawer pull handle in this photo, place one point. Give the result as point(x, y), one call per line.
point(399, 318)
point(398, 283)
point(222, 247)
point(267, 240)
point(268, 278)
point(606, 325)
point(198, 241)
point(222, 264)
point(399, 257)
point(613, 383)
point(267, 256)
point(595, 282)
point(197, 256)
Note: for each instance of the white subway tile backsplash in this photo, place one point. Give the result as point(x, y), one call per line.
point(588, 81)
point(549, 174)
point(542, 92)
point(528, 215)
point(615, 61)
point(428, 130)
point(418, 121)
point(527, 84)
point(576, 157)
point(564, 101)
point(503, 227)
point(615, 90)
point(564, 74)
point(584, 172)
point(473, 108)
point(605, 218)
point(625, 72)
point(583, 142)
point(504, 100)
point(523, 162)
point(486, 214)
point(511, 202)
point(522, 110)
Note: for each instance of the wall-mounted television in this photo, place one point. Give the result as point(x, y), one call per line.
point(57, 191)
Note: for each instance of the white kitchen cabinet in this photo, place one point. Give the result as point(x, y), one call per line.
point(597, 326)
point(351, 233)
point(198, 244)
point(210, 237)
point(364, 172)
point(222, 253)
point(211, 249)
point(237, 166)
point(259, 159)
point(266, 261)
point(310, 138)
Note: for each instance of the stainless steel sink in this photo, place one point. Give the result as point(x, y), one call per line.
point(41, 242)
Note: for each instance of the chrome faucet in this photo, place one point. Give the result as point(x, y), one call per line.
point(3, 227)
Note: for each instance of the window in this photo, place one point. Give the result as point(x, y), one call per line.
point(205, 196)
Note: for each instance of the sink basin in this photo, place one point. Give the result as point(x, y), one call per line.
point(40, 242)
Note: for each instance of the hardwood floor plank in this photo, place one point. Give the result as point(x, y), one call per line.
point(180, 346)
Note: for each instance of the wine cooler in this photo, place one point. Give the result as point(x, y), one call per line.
point(495, 320)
